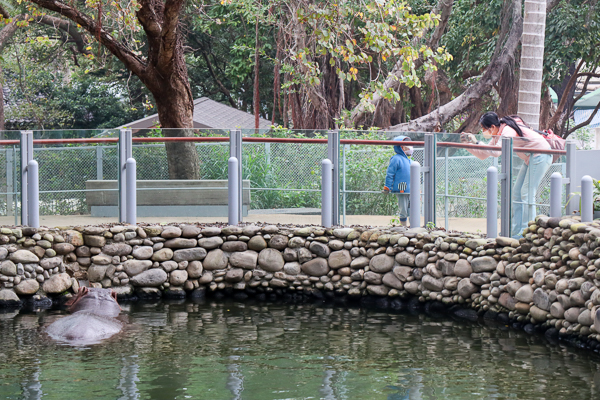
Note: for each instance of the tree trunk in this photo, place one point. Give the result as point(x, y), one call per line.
point(532, 62)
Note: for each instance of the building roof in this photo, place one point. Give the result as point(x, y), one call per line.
point(208, 114)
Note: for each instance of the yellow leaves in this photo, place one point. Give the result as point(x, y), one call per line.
point(393, 27)
point(353, 71)
point(88, 48)
point(383, 57)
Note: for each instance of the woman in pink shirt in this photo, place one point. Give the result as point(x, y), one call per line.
point(531, 173)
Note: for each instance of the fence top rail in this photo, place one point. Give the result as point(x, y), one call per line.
point(279, 140)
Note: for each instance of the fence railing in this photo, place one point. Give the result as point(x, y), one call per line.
point(441, 200)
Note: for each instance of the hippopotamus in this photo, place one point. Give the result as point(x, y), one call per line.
point(93, 318)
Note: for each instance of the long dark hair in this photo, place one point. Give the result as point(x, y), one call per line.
point(490, 119)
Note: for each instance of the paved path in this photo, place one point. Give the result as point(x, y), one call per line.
point(473, 225)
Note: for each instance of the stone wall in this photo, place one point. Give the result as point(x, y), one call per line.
point(548, 280)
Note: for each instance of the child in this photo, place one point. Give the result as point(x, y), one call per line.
point(397, 179)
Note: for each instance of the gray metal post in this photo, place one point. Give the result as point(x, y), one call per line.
point(326, 193)
point(333, 154)
point(99, 163)
point(415, 194)
point(506, 187)
point(492, 202)
point(429, 178)
point(26, 156)
point(125, 152)
point(233, 189)
point(571, 187)
point(555, 195)
point(9, 180)
point(131, 197)
point(33, 193)
point(235, 150)
point(587, 199)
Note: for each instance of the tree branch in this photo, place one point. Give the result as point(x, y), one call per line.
point(68, 27)
point(130, 60)
point(584, 123)
point(491, 75)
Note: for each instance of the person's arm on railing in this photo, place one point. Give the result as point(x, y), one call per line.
point(481, 154)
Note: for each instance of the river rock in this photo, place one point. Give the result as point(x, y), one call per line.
point(234, 246)
point(405, 258)
point(585, 318)
point(63, 248)
point(538, 314)
point(433, 284)
point(8, 268)
point(3, 253)
point(96, 273)
point(24, 257)
point(390, 279)
point(245, 259)
point(378, 290)
point(381, 263)
point(521, 274)
point(402, 273)
point(162, 255)
point(8, 297)
point(525, 294)
point(342, 233)
point(296, 242)
point(572, 314)
point(117, 249)
point(257, 243)
point(361, 262)
point(480, 278)
point(270, 260)
point(339, 259)
point(27, 287)
point(372, 278)
point(463, 269)
point(178, 277)
point(315, 267)
point(484, 264)
point(320, 249)
point(507, 301)
point(170, 232)
point(215, 259)
point(143, 252)
point(194, 269)
point(541, 299)
point(135, 267)
point(100, 259)
point(597, 320)
point(278, 242)
point(57, 283)
point(292, 268)
point(304, 255)
point(210, 242)
point(181, 243)
point(195, 254)
point(94, 241)
point(466, 288)
point(151, 278)
point(190, 231)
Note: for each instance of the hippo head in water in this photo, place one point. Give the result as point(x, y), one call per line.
point(93, 319)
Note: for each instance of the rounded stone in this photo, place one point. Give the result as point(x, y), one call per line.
point(360, 262)
point(135, 267)
point(296, 242)
point(234, 275)
point(278, 242)
point(381, 263)
point(320, 249)
point(433, 284)
point(151, 278)
point(292, 268)
point(178, 277)
point(195, 254)
point(162, 255)
point(336, 245)
point(541, 299)
point(57, 283)
point(96, 273)
point(117, 249)
point(210, 243)
point(339, 259)
point(170, 232)
point(8, 268)
point(538, 314)
point(93, 241)
point(315, 267)
point(484, 264)
point(194, 269)
point(245, 259)
point(27, 287)
point(524, 294)
point(405, 258)
point(63, 248)
point(234, 246)
point(24, 257)
point(466, 288)
point(215, 259)
point(143, 252)
point(270, 260)
point(390, 279)
point(190, 231)
point(257, 243)
point(180, 243)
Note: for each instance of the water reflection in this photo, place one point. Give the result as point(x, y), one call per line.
point(227, 350)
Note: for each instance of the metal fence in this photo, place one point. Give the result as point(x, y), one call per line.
point(282, 175)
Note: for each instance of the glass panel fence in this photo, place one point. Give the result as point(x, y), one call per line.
point(461, 181)
point(181, 181)
point(75, 167)
point(282, 175)
point(532, 169)
point(10, 180)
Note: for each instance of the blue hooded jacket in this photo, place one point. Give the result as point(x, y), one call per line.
point(398, 172)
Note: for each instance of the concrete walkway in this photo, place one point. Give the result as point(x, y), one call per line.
point(472, 225)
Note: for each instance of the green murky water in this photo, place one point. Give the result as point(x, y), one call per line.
point(229, 350)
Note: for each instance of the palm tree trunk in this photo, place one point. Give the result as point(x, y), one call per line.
point(532, 62)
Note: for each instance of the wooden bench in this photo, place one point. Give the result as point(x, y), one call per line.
point(168, 198)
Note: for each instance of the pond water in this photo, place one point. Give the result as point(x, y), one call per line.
point(231, 350)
